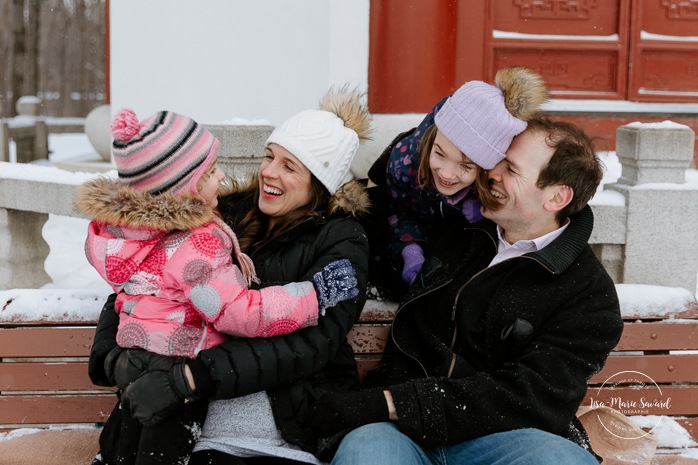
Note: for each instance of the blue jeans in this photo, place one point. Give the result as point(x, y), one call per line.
point(384, 444)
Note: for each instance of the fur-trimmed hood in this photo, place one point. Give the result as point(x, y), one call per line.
point(350, 199)
point(104, 200)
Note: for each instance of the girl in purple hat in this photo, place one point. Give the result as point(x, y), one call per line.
point(433, 171)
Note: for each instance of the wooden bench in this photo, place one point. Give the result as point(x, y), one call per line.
point(43, 368)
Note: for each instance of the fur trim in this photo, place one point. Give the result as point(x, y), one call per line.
point(103, 199)
point(351, 198)
point(347, 105)
point(524, 91)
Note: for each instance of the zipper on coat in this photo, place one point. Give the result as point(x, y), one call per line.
point(397, 312)
point(455, 301)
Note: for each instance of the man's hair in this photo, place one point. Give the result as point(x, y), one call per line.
point(574, 162)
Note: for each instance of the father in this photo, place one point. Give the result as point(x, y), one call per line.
point(491, 349)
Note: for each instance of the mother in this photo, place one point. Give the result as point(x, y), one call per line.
point(293, 218)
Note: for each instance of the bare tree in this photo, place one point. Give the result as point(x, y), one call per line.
point(6, 56)
point(18, 51)
point(53, 49)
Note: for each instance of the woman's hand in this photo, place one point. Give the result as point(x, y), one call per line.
point(335, 283)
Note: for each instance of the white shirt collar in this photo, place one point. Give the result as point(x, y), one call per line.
point(506, 250)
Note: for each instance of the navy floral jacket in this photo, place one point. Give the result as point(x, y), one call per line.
point(411, 209)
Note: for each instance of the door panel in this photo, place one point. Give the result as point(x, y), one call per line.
point(580, 47)
point(567, 72)
point(664, 58)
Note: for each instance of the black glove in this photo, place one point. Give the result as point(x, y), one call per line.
point(162, 388)
point(334, 283)
point(158, 393)
point(127, 365)
point(337, 411)
point(110, 365)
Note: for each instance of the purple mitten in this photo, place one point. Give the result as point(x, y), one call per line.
point(413, 257)
point(471, 210)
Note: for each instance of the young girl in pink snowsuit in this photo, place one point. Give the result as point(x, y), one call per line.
point(180, 277)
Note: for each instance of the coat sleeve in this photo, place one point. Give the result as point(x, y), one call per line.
point(223, 298)
point(104, 341)
point(540, 388)
point(244, 366)
point(403, 187)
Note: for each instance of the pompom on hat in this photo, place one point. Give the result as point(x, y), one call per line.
point(326, 140)
point(166, 153)
point(482, 120)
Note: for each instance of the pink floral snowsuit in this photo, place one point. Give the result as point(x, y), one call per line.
point(179, 289)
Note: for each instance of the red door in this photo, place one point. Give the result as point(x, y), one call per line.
point(640, 50)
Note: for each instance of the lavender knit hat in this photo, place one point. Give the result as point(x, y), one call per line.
point(165, 153)
point(482, 120)
point(476, 121)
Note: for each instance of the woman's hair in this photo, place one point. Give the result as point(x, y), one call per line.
point(254, 229)
point(426, 179)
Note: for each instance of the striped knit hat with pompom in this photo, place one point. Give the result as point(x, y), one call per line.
point(165, 153)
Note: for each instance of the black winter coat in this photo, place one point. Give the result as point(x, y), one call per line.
point(297, 368)
point(476, 350)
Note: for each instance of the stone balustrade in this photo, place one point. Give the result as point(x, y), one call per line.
point(645, 223)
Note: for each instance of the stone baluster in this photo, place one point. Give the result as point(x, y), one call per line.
point(661, 245)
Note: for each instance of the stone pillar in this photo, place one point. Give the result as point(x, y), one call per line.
point(4, 141)
point(23, 249)
point(40, 140)
point(242, 147)
point(661, 247)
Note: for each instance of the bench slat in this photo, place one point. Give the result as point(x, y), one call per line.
point(646, 336)
point(659, 335)
point(690, 425)
point(48, 376)
point(676, 368)
point(46, 342)
point(366, 364)
point(45, 409)
point(681, 399)
point(368, 339)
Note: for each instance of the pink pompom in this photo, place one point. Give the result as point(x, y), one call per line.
point(125, 125)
